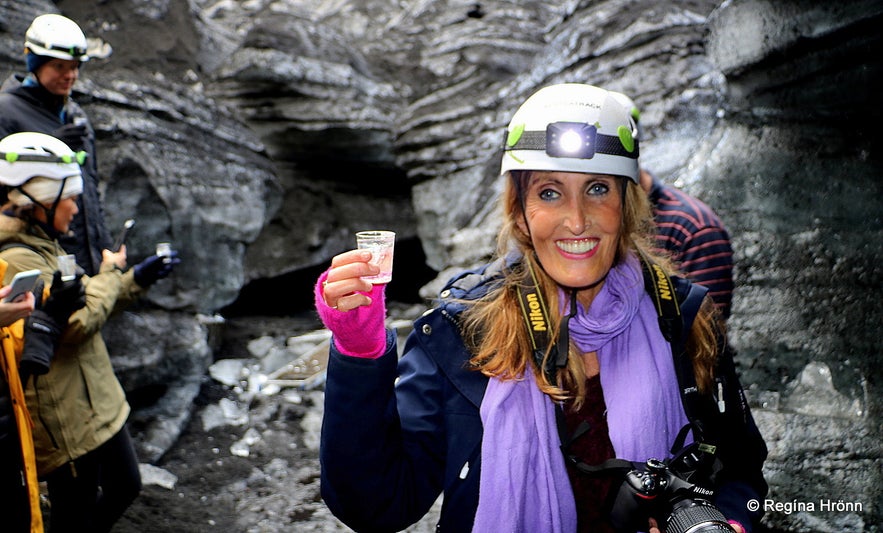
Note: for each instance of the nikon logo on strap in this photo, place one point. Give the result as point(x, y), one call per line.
point(535, 315)
point(663, 285)
point(536, 318)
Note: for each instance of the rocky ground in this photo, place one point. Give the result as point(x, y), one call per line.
point(270, 482)
point(246, 462)
point(274, 488)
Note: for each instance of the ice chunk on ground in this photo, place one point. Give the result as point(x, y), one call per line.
point(225, 413)
point(154, 475)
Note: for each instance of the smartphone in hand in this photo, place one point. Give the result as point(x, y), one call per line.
point(22, 283)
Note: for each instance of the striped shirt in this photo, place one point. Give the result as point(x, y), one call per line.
point(696, 239)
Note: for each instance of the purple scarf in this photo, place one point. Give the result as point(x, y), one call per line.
point(524, 484)
point(644, 410)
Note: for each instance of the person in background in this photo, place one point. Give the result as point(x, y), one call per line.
point(83, 449)
point(40, 101)
point(556, 346)
point(18, 473)
point(689, 230)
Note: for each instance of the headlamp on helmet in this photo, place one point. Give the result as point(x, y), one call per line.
point(572, 127)
point(571, 139)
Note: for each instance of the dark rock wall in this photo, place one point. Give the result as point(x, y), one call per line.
point(795, 168)
point(257, 136)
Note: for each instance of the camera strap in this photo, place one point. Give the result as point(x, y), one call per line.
point(659, 286)
point(535, 311)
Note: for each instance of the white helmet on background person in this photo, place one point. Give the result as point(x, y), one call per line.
point(39, 168)
point(572, 127)
point(56, 36)
point(632, 109)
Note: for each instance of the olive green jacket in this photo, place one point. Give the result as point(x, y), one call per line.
point(79, 404)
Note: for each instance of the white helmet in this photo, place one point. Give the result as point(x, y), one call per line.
point(39, 167)
point(632, 109)
point(572, 127)
point(56, 36)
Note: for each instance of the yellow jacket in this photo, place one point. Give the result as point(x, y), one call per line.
point(9, 366)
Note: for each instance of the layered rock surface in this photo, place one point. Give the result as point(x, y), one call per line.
point(258, 136)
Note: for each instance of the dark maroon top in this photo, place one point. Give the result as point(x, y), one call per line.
point(592, 447)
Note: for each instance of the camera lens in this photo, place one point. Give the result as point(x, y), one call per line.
point(696, 516)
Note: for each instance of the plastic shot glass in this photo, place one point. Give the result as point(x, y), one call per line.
point(381, 244)
point(164, 250)
point(67, 264)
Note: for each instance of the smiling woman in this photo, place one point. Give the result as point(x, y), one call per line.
point(491, 386)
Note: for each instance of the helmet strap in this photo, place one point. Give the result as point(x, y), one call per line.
point(49, 211)
point(563, 345)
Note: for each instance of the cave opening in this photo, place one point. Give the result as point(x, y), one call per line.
point(292, 293)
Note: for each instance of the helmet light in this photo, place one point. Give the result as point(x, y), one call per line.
point(571, 139)
point(76, 52)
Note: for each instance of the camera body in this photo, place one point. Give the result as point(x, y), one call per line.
point(653, 489)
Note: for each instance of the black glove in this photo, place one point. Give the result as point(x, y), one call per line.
point(74, 136)
point(65, 297)
point(154, 268)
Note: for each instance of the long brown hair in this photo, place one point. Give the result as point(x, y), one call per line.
point(494, 328)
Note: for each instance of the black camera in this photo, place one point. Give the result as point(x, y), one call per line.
point(654, 490)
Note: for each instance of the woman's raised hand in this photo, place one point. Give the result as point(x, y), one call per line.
point(352, 308)
point(343, 288)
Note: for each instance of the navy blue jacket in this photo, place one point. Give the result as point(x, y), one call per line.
point(398, 432)
point(26, 107)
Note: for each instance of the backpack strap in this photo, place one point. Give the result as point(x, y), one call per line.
point(691, 296)
point(8, 245)
point(677, 302)
point(16, 244)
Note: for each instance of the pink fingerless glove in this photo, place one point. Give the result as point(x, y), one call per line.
point(359, 332)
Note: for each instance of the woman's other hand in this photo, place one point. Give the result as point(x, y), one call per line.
point(117, 259)
point(12, 311)
point(654, 526)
